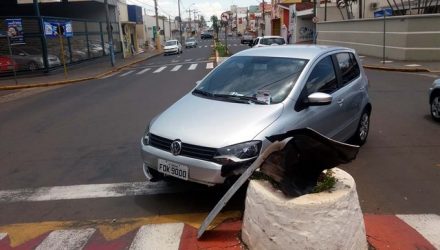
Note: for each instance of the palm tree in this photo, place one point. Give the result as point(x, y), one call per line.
point(214, 20)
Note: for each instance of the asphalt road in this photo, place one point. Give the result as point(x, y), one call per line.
point(90, 134)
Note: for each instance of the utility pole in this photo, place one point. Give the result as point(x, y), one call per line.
point(264, 19)
point(163, 24)
point(189, 13)
point(157, 36)
point(169, 25)
point(195, 27)
point(180, 24)
point(109, 34)
point(40, 21)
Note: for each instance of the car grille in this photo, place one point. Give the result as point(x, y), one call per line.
point(193, 151)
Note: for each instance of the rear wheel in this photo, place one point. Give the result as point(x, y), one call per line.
point(32, 66)
point(435, 107)
point(360, 137)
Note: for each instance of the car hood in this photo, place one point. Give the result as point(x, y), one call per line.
point(213, 123)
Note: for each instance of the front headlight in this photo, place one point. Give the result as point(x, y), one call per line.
point(238, 153)
point(146, 138)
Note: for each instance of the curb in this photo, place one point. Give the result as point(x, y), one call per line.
point(399, 69)
point(62, 82)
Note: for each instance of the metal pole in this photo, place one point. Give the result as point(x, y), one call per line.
point(325, 10)
point(157, 27)
point(384, 32)
point(40, 21)
point(163, 24)
point(314, 23)
point(169, 24)
point(12, 60)
point(109, 34)
point(264, 20)
point(180, 24)
point(62, 52)
point(360, 8)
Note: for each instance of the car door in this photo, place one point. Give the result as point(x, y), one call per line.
point(351, 87)
point(325, 119)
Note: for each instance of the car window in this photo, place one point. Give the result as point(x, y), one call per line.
point(322, 78)
point(169, 43)
point(249, 75)
point(274, 40)
point(348, 66)
point(256, 41)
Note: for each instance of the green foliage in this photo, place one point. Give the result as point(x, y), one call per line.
point(215, 24)
point(325, 182)
point(222, 50)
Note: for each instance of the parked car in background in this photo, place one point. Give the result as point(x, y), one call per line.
point(238, 34)
point(172, 47)
point(7, 64)
point(191, 43)
point(264, 41)
point(434, 100)
point(247, 38)
point(219, 128)
point(206, 36)
point(32, 59)
point(229, 33)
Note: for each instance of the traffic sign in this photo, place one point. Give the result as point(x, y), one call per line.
point(225, 16)
point(315, 19)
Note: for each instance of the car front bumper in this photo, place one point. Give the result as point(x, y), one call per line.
point(200, 171)
point(170, 51)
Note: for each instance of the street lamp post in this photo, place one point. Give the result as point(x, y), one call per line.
point(109, 34)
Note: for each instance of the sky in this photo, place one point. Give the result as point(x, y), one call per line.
point(206, 8)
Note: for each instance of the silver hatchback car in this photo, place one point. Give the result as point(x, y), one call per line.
point(218, 129)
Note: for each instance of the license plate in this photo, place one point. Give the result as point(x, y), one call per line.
point(174, 169)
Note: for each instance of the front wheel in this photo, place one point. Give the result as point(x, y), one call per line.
point(435, 107)
point(361, 134)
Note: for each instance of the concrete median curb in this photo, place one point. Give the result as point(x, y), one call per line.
point(62, 82)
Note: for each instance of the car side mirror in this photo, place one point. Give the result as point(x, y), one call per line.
point(319, 99)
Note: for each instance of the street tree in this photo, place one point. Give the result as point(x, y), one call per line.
point(215, 24)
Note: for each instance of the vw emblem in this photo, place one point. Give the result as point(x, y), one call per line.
point(176, 147)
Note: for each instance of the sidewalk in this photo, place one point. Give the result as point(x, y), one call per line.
point(403, 66)
point(403, 232)
point(78, 72)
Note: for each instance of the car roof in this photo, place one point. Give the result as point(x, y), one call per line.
point(171, 40)
point(292, 51)
point(270, 37)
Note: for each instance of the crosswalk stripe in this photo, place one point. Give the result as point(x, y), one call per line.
point(206, 46)
point(192, 66)
point(127, 73)
point(210, 65)
point(66, 239)
point(176, 68)
point(187, 60)
point(174, 61)
point(160, 69)
point(158, 237)
point(110, 75)
point(3, 235)
point(427, 225)
point(86, 191)
point(143, 71)
point(200, 47)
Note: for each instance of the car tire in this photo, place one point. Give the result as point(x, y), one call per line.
point(361, 134)
point(32, 66)
point(435, 106)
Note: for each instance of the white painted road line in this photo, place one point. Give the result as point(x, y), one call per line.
point(209, 65)
point(206, 46)
point(110, 75)
point(413, 65)
point(200, 47)
point(158, 237)
point(174, 61)
point(176, 68)
point(192, 66)
point(235, 44)
point(67, 239)
point(427, 225)
point(160, 69)
point(143, 71)
point(127, 73)
point(87, 191)
point(3, 235)
point(188, 60)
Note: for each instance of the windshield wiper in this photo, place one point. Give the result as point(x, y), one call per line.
point(202, 92)
point(242, 98)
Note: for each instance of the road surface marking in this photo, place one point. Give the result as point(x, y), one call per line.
point(176, 68)
point(413, 65)
point(159, 69)
point(199, 59)
point(143, 71)
point(200, 47)
point(361, 56)
point(210, 65)
point(87, 191)
point(174, 60)
point(235, 44)
point(192, 66)
point(127, 73)
point(161, 236)
point(2, 236)
point(67, 239)
point(206, 46)
point(187, 60)
point(427, 225)
point(386, 61)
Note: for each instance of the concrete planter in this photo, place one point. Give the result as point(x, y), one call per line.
point(326, 220)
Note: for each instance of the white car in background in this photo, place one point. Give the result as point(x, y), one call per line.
point(172, 47)
point(263, 41)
